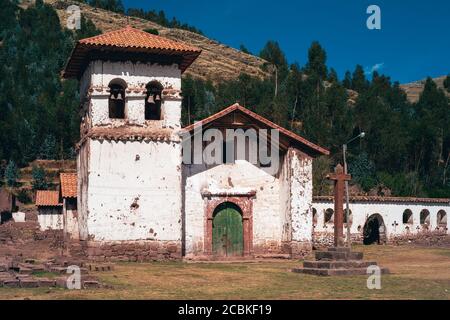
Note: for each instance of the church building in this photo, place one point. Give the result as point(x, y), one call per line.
point(138, 196)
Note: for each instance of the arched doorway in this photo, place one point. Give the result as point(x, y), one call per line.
point(374, 230)
point(227, 233)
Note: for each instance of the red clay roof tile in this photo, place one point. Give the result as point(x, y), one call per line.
point(131, 41)
point(47, 198)
point(68, 185)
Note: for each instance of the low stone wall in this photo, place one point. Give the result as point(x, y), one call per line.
point(427, 238)
point(133, 251)
point(326, 239)
point(432, 238)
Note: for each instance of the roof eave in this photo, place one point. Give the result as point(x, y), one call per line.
point(79, 57)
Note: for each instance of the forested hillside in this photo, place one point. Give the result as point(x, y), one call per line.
point(406, 149)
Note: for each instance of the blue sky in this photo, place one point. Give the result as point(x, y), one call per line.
point(413, 43)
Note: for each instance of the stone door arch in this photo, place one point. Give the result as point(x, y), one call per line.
point(244, 201)
point(227, 231)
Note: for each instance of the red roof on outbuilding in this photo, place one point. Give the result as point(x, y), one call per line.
point(47, 198)
point(68, 185)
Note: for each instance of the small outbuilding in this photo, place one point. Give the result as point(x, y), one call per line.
point(50, 215)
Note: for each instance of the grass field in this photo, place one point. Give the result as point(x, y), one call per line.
point(417, 273)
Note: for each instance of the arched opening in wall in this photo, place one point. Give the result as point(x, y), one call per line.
point(329, 215)
point(116, 101)
point(442, 218)
point(227, 233)
point(315, 218)
point(6, 216)
point(408, 217)
point(425, 218)
point(374, 231)
point(153, 101)
point(350, 216)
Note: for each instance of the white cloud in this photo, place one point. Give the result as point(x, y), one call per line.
point(375, 67)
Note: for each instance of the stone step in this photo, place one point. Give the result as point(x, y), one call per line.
point(338, 264)
point(13, 283)
point(100, 267)
point(339, 249)
point(338, 256)
point(46, 283)
point(91, 284)
point(33, 267)
point(336, 272)
point(25, 270)
point(29, 283)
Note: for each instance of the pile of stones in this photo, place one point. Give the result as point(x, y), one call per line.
point(30, 273)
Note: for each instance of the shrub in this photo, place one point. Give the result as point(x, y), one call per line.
point(39, 179)
point(11, 174)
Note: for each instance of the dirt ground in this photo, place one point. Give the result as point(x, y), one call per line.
point(417, 273)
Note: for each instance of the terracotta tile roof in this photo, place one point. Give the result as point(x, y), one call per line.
point(132, 41)
point(385, 199)
point(47, 198)
point(68, 185)
point(129, 37)
point(236, 107)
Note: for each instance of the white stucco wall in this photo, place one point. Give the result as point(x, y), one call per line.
point(70, 219)
point(240, 177)
point(130, 190)
point(50, 218)
point(392, 213)
point(136, 76)
point(134, 198)
point(301, 191)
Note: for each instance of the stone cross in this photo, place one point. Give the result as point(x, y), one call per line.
point(339, 178)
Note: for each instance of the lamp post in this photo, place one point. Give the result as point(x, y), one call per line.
point(347, 209)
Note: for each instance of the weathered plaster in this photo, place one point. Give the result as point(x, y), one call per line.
point(50, 218)
point(391, 212)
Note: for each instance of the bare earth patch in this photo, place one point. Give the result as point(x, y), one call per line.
point(417, 273)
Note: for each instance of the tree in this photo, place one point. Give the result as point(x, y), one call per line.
point(359, 81)
point(87, 29)
point(49, 148)
point(244, 49)
point(447, 83)
point(347, 82)
point(317, 59)
point(332, 76)
point(363, 171)
point(39, 181)
point(273, 54)
point(11, 174)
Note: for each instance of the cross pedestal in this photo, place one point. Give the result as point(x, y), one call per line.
point(338, 260)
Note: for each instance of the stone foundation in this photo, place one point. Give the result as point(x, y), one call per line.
point(300, 250)
point(431, 238)
point(133, 251)
point(326, 239)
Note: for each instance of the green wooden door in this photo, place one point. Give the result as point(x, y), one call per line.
point(227, 231)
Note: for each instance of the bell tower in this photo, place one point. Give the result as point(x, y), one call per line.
point(129, 154)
